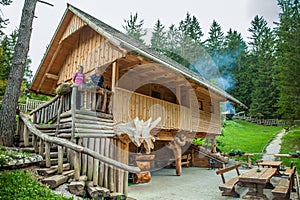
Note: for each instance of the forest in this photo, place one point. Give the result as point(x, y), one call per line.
point(263, 72)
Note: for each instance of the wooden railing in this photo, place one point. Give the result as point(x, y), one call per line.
point(128, 105)
point(267, 122)
point(81, 98)
point(42, 142)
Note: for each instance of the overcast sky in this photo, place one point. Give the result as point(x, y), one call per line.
point(235, 14)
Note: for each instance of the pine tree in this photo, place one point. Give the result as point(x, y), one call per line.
point(134, 29)
point(263, 95)
point(288, 62)
point(233, 69)
point(159, 37)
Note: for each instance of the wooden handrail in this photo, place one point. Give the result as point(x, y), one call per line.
point(75, 147)
point(44, 104)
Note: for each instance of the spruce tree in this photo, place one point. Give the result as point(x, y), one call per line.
point(263, 94)
point(159, 37)
point(288, 62)
point(134, 28)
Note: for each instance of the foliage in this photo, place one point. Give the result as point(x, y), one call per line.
point(158, 39)
point(263, 94)
point(288, 62)
point(246, 137)
point(134, 29)
point(18, 184)
point(290, 144)
point(63, 88)
point(7, 155)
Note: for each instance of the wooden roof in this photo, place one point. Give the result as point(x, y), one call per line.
point(56, 48)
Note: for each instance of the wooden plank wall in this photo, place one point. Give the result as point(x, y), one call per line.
point(90, 49)
point(128, 105)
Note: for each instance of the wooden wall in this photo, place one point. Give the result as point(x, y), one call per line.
point(89, 49)
point(128, 105)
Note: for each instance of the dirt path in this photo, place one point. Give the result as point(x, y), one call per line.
point(273, 147)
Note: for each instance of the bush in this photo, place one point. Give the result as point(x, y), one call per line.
point(18, 184)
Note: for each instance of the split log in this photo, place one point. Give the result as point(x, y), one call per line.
point(143, 165)
point(77, 188)
point(69, 174)
point(142, 177)
point(97, 192)
point(51, 170)
point(55, 181)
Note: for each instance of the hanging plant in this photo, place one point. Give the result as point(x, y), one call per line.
point(63, 88)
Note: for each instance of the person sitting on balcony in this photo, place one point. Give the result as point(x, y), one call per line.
point(97, 77)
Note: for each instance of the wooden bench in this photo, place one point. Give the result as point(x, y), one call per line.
point(228, 187)
point(285, 186)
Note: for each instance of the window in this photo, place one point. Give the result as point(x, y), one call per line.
point(155, 94)
point(200, 104)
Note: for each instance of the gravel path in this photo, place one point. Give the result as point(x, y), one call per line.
point(273, 147)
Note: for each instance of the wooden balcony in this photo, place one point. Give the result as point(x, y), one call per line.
point(129, 105)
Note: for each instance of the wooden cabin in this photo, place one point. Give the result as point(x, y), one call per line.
point(143, 84)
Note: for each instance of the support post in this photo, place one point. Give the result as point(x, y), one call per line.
point(73, 110)
point(47, 154)
point(26, 136)
point(76, 166)
point(60, 159)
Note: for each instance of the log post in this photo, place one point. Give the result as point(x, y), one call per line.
point(76, 166)
point(60, 159)
point(96, 164)
point(179, 141)
point(34, 143)
point(41, 148)
point(59, 111)
point(47, 154)
point(26, 136)
point(73, 109)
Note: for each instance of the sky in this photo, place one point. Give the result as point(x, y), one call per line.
point(235, 14)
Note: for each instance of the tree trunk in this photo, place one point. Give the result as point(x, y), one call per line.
point(11, 95)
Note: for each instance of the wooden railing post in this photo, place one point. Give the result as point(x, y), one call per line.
point(41, 150)
point(73, 110)
point(26, 136)
point(34, 143)
point(76, 166)
point(60, 159)
point(47, 154)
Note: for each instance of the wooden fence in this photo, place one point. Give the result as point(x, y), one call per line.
point(30, 105)
point(267, 122)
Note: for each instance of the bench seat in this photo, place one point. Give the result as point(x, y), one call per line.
point(281, 191)
point(228, 187)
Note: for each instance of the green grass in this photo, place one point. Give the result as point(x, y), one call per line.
point(16, 184)
point(290, 144)
point(246, 137)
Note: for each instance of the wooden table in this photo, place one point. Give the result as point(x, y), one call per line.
point(272, 164)
point(256, 182)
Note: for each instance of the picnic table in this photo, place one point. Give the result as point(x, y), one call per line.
point(272, 164)
point(256, 180)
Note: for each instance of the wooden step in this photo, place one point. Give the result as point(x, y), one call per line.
point(57, 180)
point(54, 161)
point(52, 169)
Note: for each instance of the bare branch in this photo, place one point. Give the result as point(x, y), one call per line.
point(45, 3)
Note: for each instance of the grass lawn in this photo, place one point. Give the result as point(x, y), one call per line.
point(290, 144)
point(246, 137)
